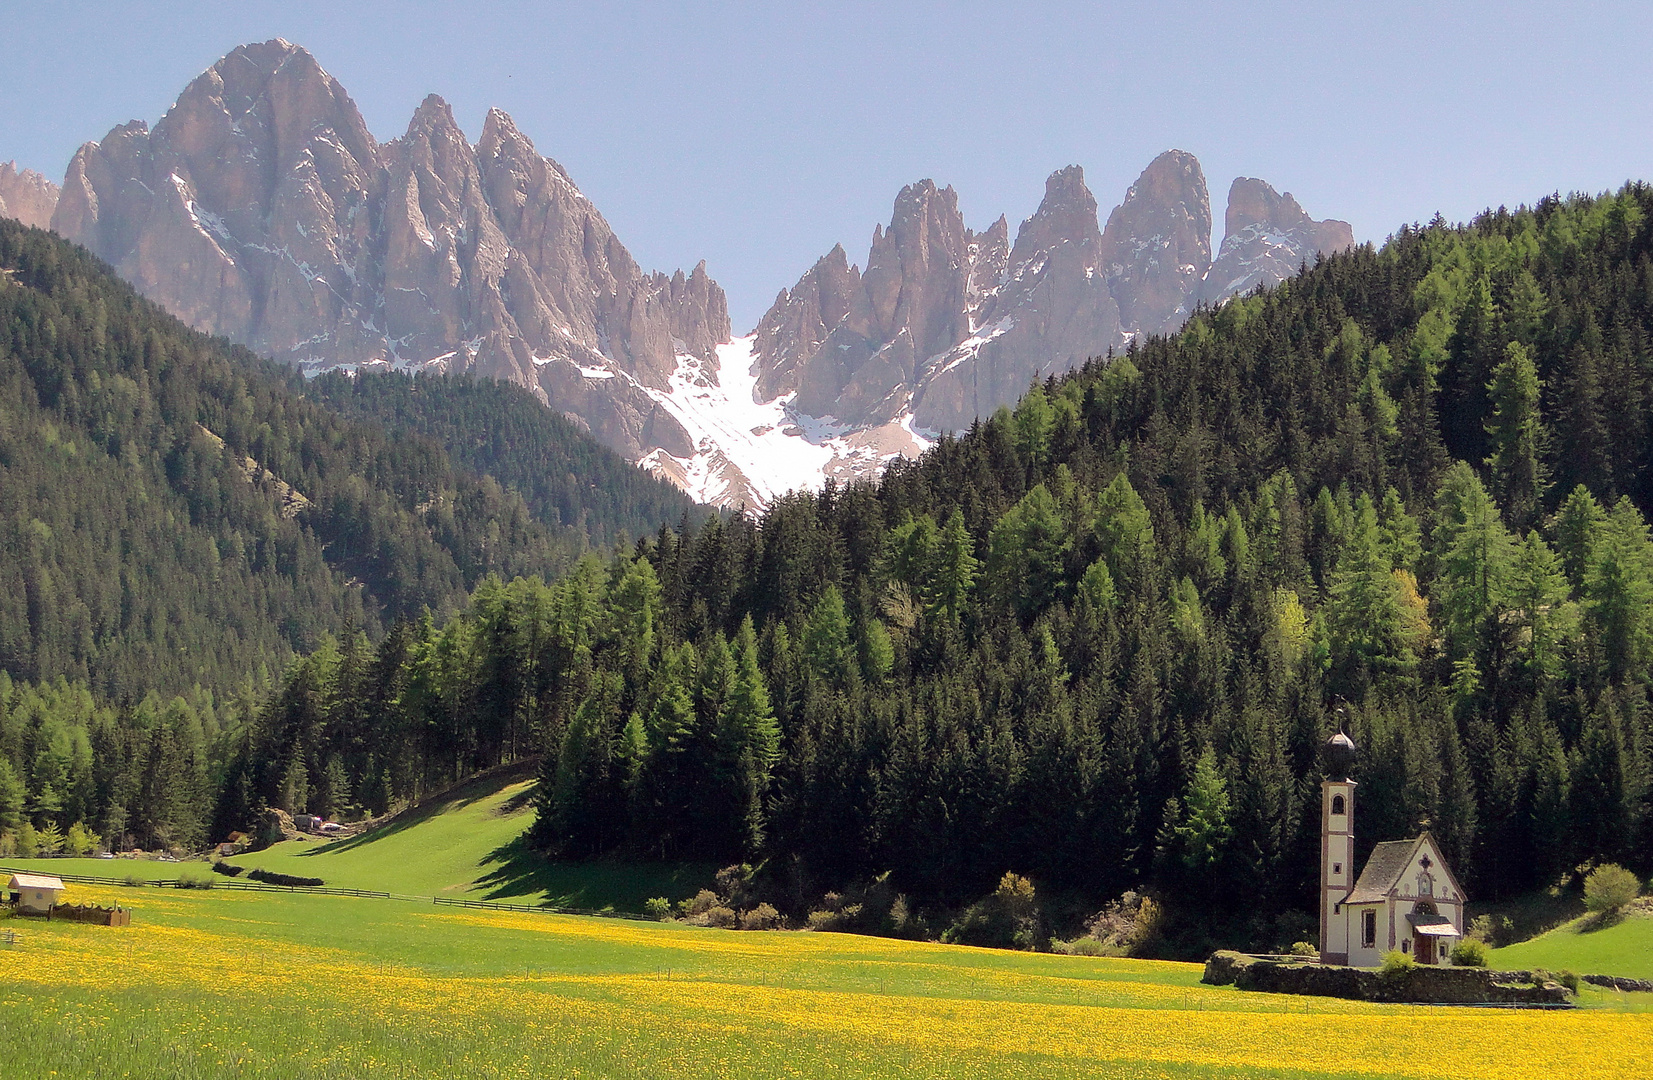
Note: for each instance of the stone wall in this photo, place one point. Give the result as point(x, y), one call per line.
point(1431, 985)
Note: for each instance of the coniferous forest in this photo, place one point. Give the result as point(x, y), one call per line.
point(1097, 640)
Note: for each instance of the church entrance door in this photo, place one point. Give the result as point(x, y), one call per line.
point(1425, 949)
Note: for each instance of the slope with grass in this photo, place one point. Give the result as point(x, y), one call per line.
point(467, 844)
point(1623, 947)
point(324, 986)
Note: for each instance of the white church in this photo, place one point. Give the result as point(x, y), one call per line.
point(1405, 898)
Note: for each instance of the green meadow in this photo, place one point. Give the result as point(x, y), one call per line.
point(1623, 948)
point(225, 983)
point(220, 983)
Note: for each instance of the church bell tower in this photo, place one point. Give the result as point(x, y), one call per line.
point(1337, 847)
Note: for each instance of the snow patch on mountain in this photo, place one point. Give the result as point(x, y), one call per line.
point(750, 452)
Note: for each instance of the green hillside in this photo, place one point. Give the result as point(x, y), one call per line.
point(174, 511)
point(466, 844)
point(498, 429)
point(1624, 948)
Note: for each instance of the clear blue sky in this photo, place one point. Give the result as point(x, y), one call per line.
point(756, 136)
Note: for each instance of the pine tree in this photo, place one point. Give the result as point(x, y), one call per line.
point(1518, 438)
point(1618, 589)
point(749, 741)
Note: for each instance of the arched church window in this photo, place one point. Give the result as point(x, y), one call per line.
point(1337, 804)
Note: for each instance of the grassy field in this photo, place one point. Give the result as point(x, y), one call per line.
point(1624, 948)
point(466, 844)
point(210, 984)
point(225, 984)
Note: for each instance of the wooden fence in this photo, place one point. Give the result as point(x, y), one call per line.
point(245, 886)
point(541, 909)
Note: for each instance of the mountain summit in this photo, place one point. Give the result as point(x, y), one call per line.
point(947, 325)
point(261, 208)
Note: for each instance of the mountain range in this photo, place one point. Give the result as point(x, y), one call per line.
point(261, 208)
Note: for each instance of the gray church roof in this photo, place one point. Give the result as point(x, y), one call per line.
point(1388, 862)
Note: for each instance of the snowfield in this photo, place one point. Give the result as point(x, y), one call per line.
point(751, 452)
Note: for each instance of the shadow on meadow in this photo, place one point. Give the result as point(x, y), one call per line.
point(473, 790)
point(519, 871)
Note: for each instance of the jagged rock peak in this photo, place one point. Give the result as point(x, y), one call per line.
point(1046, 309)
point(1067, 214)
point(261, 208)
point(800, 319)
point(1253, 202)
point(433, 114)
point(1157, 244)
point(1268, 236)
point(26, 196)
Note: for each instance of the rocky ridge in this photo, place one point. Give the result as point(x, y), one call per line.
point(947, 325)
point(1267, 238)
point(261, 208)
point(26, 196)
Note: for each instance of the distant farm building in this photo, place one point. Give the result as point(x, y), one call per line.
point(1406, 897)
point(34, 894)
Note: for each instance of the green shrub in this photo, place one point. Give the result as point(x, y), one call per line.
point(1305, 948)
point(1566, 978)
point(1396, 964)
point(723, 918)
point(227, 869)
point(825, 919)
point(81, 840)
point(1470, 952)
point(699, 904)
point(132, 880)
point(1085, 946)
point(1609, 889)
point(1008, 919)
point(762, 917)
point(658, 908)
point(190, 879)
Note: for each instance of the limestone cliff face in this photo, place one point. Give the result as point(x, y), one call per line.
point(946, 325)
point(26, 196)
point(800, 320)
point(1047, 311)
point(1157, 246)
point(1267, 237)
point(907, 306)
point(261, 208)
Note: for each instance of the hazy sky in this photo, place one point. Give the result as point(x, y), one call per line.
point(756, 136)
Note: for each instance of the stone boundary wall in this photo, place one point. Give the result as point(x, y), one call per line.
point(1421, 985)
point(1613, 982)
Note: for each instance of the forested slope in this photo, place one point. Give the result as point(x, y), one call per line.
point(498, 429)
point(173, 511)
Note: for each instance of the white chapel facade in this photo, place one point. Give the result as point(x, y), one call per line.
point(1405, 898)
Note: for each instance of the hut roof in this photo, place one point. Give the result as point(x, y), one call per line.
point(36, 881)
